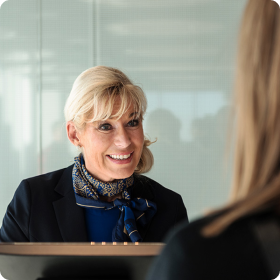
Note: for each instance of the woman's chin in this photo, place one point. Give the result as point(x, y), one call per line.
point(122, 174)
point(120, 169)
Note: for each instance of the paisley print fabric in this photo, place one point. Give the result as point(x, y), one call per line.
point(87, 186)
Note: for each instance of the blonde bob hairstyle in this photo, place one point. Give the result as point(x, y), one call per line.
point(256, 179)
point(93, 96)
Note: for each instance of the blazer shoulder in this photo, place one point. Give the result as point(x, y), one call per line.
point(59, 181)
point(52, 178)
point(154, 186)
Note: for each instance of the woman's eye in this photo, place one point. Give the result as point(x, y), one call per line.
point(105, 127)
point(133, 123)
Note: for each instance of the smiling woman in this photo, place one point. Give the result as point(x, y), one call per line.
point(102, 197)
point(111, 148)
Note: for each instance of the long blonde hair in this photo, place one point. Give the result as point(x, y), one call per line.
point(93, 96)
point(256, 179)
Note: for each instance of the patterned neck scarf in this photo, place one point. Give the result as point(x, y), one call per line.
point(87, 190)
point(87, 186)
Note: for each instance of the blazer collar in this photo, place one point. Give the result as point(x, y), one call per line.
point(142, 188)
point(70, 217)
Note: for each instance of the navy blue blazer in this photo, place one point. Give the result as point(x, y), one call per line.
point(44, 209)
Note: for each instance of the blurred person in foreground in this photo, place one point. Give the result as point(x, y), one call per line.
point(242, 239)
point(101, 197)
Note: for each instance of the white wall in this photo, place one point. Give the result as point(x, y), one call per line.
point(181, 52)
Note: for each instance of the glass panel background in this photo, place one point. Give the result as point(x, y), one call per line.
point(181, 52)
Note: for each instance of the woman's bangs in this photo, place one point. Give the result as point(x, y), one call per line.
point(104, 107)
point(124, 99)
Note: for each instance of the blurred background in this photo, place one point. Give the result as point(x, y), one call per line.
point(181, 52)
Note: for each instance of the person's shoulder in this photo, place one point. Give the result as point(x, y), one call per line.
point(189, 231)
point(50, 178)
point(53, 175)
point(239, 232)
point(233, 254)
point(145, 180)
point(154, 185)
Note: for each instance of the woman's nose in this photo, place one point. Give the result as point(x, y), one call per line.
point(122, 139)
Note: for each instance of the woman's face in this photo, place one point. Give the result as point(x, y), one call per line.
point(112, 148)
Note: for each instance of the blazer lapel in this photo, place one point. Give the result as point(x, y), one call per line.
point(142, 189)
point(70, 217)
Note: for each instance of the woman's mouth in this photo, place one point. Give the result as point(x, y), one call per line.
point(120, 157)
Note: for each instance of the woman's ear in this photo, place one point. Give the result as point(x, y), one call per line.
point(72, 134)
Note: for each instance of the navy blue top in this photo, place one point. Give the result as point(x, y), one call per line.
point(100, 223)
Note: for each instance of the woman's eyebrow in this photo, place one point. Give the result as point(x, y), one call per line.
point(133, 114)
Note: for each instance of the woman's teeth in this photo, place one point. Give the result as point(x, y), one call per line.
point(120, 157)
